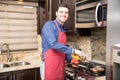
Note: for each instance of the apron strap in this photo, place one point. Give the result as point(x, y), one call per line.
point(56, 25)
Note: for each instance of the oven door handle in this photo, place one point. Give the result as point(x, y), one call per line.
point(96, 14)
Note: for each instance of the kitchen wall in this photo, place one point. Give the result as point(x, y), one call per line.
point(94, 45)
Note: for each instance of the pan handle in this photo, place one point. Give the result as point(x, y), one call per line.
point(82, 66)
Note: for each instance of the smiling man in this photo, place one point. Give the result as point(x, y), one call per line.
point(54, 49)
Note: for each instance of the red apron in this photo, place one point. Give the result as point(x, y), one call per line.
point(55, 61)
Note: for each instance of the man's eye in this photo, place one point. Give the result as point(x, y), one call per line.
point(61, 11)
point(66, 12)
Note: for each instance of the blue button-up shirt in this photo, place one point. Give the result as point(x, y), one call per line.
point(50, 36)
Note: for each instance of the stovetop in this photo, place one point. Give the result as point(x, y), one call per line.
point(84, 71)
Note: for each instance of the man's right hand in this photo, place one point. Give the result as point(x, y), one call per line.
point(80, 53)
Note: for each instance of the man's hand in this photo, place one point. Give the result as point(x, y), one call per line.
point(80, 53)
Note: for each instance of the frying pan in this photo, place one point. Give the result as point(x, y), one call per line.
point(89, 66)
point(95, 68)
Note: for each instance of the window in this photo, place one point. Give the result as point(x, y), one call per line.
point(18, 26)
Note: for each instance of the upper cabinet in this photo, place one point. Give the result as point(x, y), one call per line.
point(90, 13)
point(42, 14)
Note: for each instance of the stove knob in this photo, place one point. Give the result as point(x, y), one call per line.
point(68, 73)
point(72, 75)
point(79, 78)
point(83, 79)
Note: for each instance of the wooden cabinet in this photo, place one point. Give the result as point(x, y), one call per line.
point(27, 74)
point(6, 76)
point(53, 8)
point(42, 14)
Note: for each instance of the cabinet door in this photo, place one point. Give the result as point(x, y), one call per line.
point(42, 14)
point(37, 74)
point(54, 4)
point(28, 74)
point(6, 76)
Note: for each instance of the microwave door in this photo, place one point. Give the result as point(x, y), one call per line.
point(98, 14)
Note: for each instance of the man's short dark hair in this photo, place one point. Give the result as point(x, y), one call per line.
point(63, 5)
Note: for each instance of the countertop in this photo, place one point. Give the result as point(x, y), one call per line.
point(33, 58)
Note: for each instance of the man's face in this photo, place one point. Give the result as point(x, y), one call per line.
point(62, 14)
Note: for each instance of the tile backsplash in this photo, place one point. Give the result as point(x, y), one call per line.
point(94, 46)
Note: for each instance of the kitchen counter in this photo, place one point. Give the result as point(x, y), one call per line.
point(33, 58)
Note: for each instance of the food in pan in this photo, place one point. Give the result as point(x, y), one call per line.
point(97, 69)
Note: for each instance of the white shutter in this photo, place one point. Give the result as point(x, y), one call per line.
point(18, 27)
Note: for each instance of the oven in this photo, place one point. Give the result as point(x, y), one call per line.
point(116, 61)
point(82, 73)
point(90, 13)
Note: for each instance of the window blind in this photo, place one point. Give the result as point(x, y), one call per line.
point(18, 26)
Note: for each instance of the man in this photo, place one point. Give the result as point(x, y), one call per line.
point(54, 49)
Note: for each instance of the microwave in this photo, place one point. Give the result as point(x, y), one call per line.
point(90, 13)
